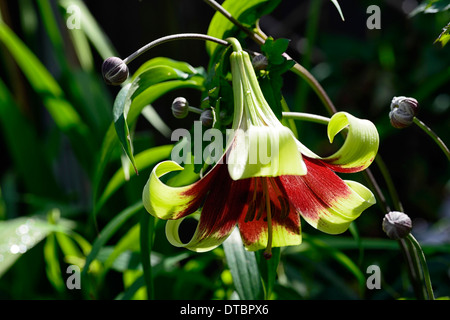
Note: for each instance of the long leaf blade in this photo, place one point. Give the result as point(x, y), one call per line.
point(244, 268)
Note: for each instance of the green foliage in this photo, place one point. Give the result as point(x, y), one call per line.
point(247, 13)
point(444, 37)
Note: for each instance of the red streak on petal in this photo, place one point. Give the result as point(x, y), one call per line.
point(315, 191)
point(199, 189)
point(225, 203)
point(251, 230)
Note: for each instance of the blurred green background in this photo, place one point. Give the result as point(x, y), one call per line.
point(55, 112)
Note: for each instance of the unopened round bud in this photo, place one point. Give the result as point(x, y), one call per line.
point(207, 118)
point(260, 62)
point(397, 225)
point(114, 71)
point(180, 108)
point(403, 111)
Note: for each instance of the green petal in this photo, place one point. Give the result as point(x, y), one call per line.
point(166, 202)
point(337, 218)
point(264, 152)
point(360, 146)
point(197, 242)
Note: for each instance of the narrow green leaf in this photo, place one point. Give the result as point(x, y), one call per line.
point(91, 28)
point(109, 231)
point(120, 123)
point(431, 6)
point(23, 145)
point(244, 268)
point(132, 289)
point(52, 29)
point(444, 37)
point(63, 113)
point(53, 268)
point(129, 242)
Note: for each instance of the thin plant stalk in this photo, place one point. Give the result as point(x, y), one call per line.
point(434, 136)
point(412, 261)
point(424, 266)
point(157, 42)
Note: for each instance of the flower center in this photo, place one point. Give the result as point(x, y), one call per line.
point(261, 202)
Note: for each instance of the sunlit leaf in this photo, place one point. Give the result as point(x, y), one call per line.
point(20, 235)
point(431, 6)
point(444, 37)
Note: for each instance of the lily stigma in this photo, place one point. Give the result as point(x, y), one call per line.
point(266, 199)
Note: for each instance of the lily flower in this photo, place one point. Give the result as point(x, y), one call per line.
point(266, 199)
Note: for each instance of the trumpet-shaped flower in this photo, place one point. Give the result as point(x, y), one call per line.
point(265, 193)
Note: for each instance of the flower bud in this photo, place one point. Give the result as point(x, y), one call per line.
point(114, 71)
point(260, 62)
point(180, 108)
point(397, 225)
point(403, 111)
point(207, 118)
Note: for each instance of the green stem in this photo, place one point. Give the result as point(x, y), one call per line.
point(306, 117)
point(424, 266)
point(389, 182)
point(434, 136)
point(311, 32)
point(290, 123)
point(413, 268)
point(157, 42)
